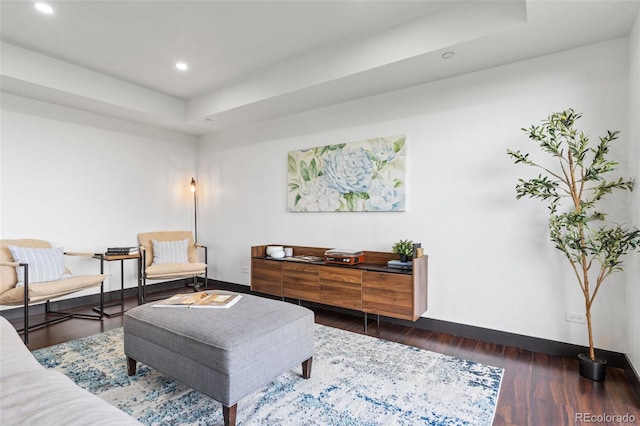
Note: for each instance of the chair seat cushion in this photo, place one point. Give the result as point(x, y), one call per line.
point(175, 269)
point(51, 289)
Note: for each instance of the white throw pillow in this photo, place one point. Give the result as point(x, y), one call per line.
point(45, 264)
point(170, 251)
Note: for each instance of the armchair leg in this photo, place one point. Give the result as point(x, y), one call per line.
point(143, 298)
point(206, 268)
point(26, 305)
point(26, 323)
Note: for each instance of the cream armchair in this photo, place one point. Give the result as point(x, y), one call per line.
point(32, 271)
point(169, 255)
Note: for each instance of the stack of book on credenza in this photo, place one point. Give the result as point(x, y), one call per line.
point(121, 251)
point(418, 251)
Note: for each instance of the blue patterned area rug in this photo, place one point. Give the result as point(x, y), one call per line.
point(355, 380)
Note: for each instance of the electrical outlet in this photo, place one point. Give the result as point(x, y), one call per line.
point(573, 317)
point(245, 269)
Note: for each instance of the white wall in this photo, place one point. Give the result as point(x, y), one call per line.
point(491, 263)
point(86, 182)
point(632, 269)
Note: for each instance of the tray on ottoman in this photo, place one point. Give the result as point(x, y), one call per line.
point(223, 353)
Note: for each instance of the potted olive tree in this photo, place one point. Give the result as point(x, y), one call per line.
point(574, 186)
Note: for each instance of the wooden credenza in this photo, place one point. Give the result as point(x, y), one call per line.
point(371, 287)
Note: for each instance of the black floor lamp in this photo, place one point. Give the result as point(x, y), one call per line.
point(195, 208)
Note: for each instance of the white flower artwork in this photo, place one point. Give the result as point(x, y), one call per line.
point(362, 176)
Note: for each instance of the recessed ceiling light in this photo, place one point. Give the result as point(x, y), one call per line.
point(182, 66)
point(44, 8)
point(448, 55)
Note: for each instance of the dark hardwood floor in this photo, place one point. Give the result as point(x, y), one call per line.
point(537, 389)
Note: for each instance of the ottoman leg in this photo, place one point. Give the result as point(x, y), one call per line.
point(306, 368)
point(229, 414)
point(131, 366)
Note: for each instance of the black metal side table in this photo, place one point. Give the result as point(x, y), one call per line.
point(111, 258)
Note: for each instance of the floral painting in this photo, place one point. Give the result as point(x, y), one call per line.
point(353, 177)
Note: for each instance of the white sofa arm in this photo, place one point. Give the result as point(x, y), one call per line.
point(31, 394)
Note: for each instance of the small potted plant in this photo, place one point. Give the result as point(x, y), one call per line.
point(404, 248)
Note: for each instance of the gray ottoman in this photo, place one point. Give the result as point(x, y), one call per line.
point(223, 353)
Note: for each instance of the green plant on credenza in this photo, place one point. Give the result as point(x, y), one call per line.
point(575, 188)
point(404, 248)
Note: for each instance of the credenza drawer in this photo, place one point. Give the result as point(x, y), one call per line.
point(341, 287)
point(300, 281)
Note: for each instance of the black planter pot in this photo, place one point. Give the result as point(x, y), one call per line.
point(594, 370)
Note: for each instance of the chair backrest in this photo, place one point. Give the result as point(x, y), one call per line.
point(144, 239)
point(8, 277)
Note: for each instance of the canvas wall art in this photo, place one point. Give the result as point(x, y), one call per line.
point(363, 176)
